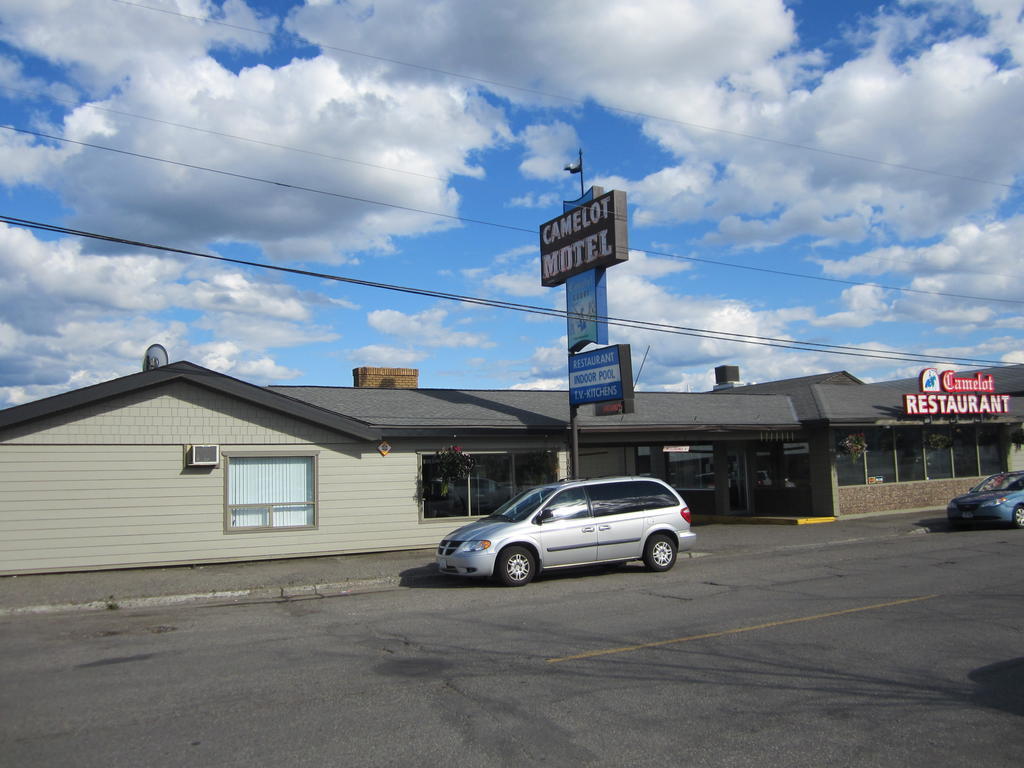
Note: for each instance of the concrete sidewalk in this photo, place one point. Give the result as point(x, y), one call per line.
point(345, 574)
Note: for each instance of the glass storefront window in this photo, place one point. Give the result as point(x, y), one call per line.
point(879, 455)
point(849, 467)
point(691, 469)
point(909, 453)
point(938, 456)
point(496, 477)
point(643, 461)
point(796, 465)
point(965, 451)
point(989, 455)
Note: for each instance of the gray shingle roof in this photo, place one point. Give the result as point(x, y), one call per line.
point(403, 409)
point(194, 374)
point(370, 413)
point(840, 397)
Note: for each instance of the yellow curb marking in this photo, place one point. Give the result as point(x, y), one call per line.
point(723, 633)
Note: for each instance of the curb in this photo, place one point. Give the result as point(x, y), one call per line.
point(227, 597)
point(749, 520)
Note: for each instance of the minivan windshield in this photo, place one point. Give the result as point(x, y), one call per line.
point(521, 505)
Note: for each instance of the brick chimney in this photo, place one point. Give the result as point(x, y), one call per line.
point(386, 378)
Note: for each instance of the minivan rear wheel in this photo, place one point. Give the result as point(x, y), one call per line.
point(659, 552)
point(515, 566)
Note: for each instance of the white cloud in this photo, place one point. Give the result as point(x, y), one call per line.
point(68, 316)
point(426, 328)
point(866, 305)
point(383, 355)
point(548, 149)
point(553, 384)
point(548, 200)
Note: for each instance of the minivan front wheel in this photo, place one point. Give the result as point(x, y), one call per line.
point(659, 552)
point(515, 566)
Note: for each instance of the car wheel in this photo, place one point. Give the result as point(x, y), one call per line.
point(1018, 516)
point(659, 553)
point(515, 567)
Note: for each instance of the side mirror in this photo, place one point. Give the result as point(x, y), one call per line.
point(543, 517)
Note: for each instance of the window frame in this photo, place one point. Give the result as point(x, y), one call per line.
point(313, 456)
point(911, 449)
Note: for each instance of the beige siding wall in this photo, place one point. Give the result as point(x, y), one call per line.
point(109, 489)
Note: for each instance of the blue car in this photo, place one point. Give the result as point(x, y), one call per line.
point(999, 498)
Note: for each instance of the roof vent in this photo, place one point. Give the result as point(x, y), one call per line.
point(727, 377)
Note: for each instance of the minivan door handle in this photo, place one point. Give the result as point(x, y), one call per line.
point(604, 527)
point(588, 529)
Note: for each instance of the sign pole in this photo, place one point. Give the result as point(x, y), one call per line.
point(574, 444)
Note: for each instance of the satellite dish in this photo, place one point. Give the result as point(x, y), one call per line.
point(156, 356)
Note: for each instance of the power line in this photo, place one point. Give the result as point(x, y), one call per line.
point(609, 107)
point(325, 156)
point(482, 222)
point(724, 336)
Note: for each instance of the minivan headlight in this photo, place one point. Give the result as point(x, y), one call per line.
point(476, 546)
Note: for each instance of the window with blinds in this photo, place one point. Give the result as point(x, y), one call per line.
point(268, 492)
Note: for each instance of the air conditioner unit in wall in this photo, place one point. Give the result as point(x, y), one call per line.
point(202, 456)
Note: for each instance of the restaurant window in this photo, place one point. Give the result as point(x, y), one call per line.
point(879, 458)
point(990, 458)
point(938, 456)
point(644, 466)
point(932, 452)
point(796, 465)
point(909, 453)
point(850, 468)
point(496, 477)
point(270, 492)
point(692, 468)
point(965, 451)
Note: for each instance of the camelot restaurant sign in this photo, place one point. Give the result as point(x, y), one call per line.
point(946, 394)
point(591, 235)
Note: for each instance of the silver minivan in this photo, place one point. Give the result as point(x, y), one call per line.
point(572, 523)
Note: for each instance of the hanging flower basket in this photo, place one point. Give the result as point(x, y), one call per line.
point(854, 445)
point(938, 442)
point(1017, 438)
point(453, 464)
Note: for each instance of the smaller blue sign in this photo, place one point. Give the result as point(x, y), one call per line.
point(586, 300)
point(601, 375)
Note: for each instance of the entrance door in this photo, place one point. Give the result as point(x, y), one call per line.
point(738, 479)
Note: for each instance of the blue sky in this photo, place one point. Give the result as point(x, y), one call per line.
point(877, 145)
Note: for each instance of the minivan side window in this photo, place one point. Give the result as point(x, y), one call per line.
point(629, 496)
point(567, 505)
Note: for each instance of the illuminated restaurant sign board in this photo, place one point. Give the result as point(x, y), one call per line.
point(591, 235)
point(946, 394)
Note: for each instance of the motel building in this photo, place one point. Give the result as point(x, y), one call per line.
point(180, 464)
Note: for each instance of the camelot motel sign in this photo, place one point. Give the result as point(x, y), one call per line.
point(946, 394)
point(592, 235)
point(576, 248)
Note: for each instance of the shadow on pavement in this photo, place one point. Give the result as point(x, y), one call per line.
point(1000, 686)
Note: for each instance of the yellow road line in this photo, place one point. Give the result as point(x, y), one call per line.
point(767, 625)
